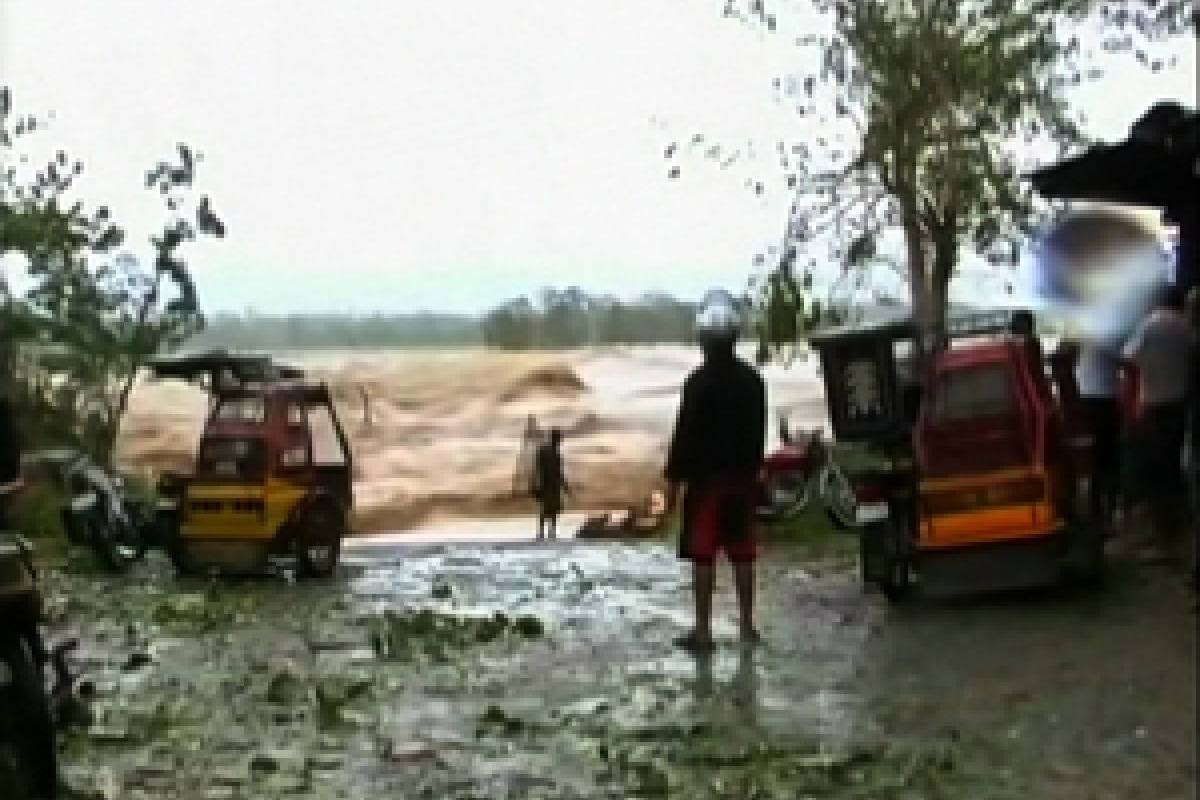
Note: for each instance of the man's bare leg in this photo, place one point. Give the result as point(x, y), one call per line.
point(743, 581)
point(703, 578)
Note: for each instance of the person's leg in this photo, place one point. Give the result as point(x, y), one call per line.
point(743, 581)
point(1093, 408)
point(1107, 471)
point(552, 525)
point(697, 543)
point(703, 579)
point(1176, 435)
point(1165, 474)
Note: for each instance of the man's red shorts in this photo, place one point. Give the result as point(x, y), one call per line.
point(720, 516)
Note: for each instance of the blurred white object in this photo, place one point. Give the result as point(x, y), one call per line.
point(1100, 270)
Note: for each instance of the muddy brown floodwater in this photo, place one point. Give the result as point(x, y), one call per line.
point(445, 425)
point(473, 671)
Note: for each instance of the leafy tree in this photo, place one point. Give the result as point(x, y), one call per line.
point(512, 326)
point(93, 315)
point(572, 318)
point(252, 331)
point(920, 109)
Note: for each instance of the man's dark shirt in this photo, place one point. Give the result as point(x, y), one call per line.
point(549, 479)
point(722, 424)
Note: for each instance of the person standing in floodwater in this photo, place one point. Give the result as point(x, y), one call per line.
point(549, 484)
point(715, 458)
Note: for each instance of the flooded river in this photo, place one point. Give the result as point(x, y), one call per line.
point(445, 426)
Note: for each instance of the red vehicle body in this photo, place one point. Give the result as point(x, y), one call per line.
point(984, 481)
point(992, 449)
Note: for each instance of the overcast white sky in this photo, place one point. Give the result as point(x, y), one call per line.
point(370, 155)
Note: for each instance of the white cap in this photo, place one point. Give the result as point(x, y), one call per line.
point(718, 315)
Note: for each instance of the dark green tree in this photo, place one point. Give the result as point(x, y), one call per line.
point(77, 337)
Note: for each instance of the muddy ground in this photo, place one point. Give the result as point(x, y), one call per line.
point(398, 679)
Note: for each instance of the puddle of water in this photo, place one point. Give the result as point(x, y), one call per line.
point(497, 530)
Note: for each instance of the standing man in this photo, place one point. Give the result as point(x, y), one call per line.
point(549, 484)
point(1162, 349)
point(1098, 374)
point(715, 457)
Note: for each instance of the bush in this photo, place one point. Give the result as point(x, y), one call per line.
point(37, 512)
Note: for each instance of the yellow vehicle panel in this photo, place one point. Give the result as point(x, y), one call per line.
point(214, 511)
point(993, 507)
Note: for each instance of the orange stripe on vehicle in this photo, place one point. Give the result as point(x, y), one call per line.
point(979, 479)
point(1026, 521)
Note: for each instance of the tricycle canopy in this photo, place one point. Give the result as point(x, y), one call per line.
point(870, 372)
point(220, 371)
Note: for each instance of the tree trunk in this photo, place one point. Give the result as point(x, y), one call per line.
point(945, 255)
point(919, 285)
point(116, 413)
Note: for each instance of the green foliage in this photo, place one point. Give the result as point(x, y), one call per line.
point(37, 512)
point(918, 109)
point(567, 318)
point(571, 318)
point(251, 331)
point(72, 343)
point(425, 633)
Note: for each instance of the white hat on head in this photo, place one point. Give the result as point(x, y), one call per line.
point(718, 315)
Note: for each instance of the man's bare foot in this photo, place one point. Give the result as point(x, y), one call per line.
point(751, 637)
point(695, 642)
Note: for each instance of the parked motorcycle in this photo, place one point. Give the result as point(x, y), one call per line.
point(800, 471)
point(100, 512)
point(28, 761)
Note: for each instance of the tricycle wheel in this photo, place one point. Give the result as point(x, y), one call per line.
point(837, 495)
point(104, 546)
point(318, 540)
point(872, 551)
point(897, 583)
point(891, 565)
point(178, 553)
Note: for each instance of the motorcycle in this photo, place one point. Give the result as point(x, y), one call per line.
point(800, 470)
point(28, 760)
point(100, 512)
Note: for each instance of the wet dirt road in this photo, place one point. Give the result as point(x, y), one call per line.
point(397, 679)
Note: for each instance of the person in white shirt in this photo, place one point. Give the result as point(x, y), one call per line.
point(1098, 375)
point(1162, 349)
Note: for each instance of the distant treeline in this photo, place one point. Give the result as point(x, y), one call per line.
point(252, 331)
point(573, 318)
point(556, 319)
